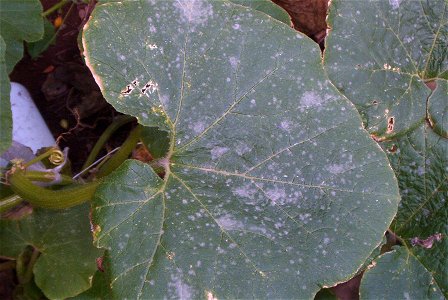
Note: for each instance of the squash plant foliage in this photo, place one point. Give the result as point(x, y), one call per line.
point(396, 75)
point(272, 187)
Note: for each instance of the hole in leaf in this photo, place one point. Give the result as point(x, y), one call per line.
point(390, 125)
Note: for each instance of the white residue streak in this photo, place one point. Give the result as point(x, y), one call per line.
point(217, 152)
point(242, 149)
point(312, 99)
point(194, 11)
point(229, 223)
point(277, 195)
point(245, 191)
point(180, 288)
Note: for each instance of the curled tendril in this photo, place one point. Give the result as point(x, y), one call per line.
point(57, 157)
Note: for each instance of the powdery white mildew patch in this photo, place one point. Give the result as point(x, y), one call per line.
point(312, 99)
point(245, 191)
point(395, 3)
point(217, 152)
point(229, 223)
point(194, 11)
point(178, 288)
point(277, 195)
point(233, 62)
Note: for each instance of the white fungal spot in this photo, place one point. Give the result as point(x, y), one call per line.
point(198, 127)
point(312, 99)
point(242, 149)
point(236, 26)
point(210, 296)
point(194, 11)
point(233, 62)
point(181, 289)
point(245, 191)
point(395, 3)
point(277, 195)
point(217, 152)
point(152, 46)
point(286, 125)
point(229, 223)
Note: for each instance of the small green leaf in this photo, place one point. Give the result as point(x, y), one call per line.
point(19, 20)
point(272, 187)
point(49, 38)
point(5, 106)
point(66, 263)
point(398, 275)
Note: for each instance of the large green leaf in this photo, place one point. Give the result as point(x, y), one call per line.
point(420, 160)
point(379, 53)
point(19, 20)
point(66, 263)
point(272, 188)
point(5, 107)
point(398, 275)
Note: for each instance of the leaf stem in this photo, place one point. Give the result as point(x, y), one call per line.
point(117, 123)
point(29, 270)
point(122, 154)
point(46, 198)
point(47, 177)
point(9, 202)
point(55, 7)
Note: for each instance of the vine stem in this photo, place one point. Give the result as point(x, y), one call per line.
point(46, 198)
point(116, 124)
point(29, 270)
point(122, 154)
point(55, 7)
point(9, 202)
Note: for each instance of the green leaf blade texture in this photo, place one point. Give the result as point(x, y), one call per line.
point(401, 47)
point(66, 263)
point(271, 181)
point(379, 53)
point(5, 106)
point(268, 7)
point(398, 275)
point(19, 20)
point(420, 160)
point(438, 108)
